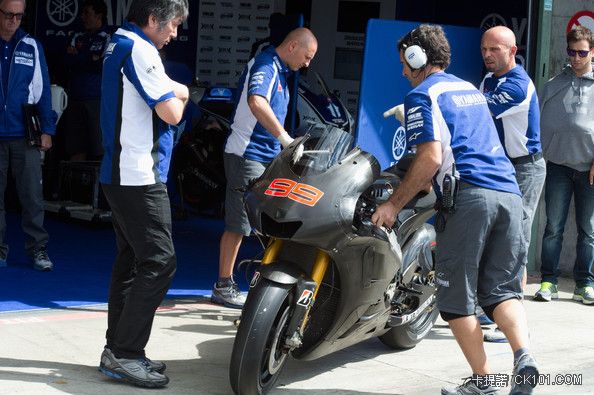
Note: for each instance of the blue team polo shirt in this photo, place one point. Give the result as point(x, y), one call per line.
point(452, 111)
point(513, 102)
point(266, 76)
point(136, 141)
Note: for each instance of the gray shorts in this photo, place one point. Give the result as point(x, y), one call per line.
point(481, 253)
point(531, 178)
point(239, 172)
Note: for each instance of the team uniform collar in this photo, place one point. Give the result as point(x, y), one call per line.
point(136, 29)
point(282, 67)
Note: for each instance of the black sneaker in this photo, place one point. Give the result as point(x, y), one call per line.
point(228, 296)
point(157, 366)
point(135, 371)
point(41, 260)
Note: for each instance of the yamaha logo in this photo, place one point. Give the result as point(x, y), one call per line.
point(62, 12)
point(399, 143)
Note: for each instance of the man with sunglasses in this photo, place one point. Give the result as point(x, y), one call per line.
point(567, 129)
point(24, 80)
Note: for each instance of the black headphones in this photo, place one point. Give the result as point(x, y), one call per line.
point(414, 55)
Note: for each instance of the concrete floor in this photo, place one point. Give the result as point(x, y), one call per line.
point(57, 351)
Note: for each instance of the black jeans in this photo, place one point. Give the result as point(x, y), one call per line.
point(144, 265)
point(25, 162)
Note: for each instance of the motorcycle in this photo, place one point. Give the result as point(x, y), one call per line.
point(197, 164)
point(329, 278)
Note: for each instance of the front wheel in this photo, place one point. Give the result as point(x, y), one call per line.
point(259, 354)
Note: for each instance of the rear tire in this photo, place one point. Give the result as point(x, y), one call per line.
point(410, 334)
point(257, 358)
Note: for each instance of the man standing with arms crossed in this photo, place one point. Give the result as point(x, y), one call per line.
point(139, 102)
point(257, 133)
point(511, 97)
point(448, 120)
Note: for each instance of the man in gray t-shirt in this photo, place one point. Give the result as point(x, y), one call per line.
point(567, 130)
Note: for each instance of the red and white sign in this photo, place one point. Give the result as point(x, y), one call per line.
point(583, 18)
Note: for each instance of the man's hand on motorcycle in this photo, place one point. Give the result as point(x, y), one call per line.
point(285, 139)
point(385, 215)
point(397, 111)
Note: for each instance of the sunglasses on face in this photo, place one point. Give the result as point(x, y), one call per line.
point(10, 15)
point(573, 52)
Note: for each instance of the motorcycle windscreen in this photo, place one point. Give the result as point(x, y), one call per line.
point(383, 86)
point(321, 148)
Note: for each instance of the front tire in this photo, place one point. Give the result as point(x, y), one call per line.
point(258, 358)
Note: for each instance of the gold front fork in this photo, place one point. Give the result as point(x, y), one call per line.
point(317, 274)
point(271, 252)
point(319, 268)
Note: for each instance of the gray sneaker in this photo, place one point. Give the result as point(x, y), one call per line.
point(41, 260)
point(135, 371)
point(494, 335)
point(546, 292)
point(584, 295)
point(469, 387)
point(525, 376)
point(157, 366)
point(229, 296)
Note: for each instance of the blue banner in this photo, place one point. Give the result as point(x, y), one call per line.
point(383, 86)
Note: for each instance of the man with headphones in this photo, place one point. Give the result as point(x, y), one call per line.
point(480, 260)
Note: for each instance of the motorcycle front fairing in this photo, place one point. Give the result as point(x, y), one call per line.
point(309, 192)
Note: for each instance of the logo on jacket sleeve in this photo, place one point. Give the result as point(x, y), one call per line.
point(23, 61)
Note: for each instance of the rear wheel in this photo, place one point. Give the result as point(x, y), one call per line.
point(259, 355)
point(410, 334)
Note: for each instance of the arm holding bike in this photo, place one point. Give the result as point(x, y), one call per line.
point(264, 114)
point(426, 163)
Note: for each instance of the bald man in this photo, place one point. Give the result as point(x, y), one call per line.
point(257, 134)
point(513, 102)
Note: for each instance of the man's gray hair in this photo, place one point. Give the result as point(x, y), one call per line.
point(163, 10)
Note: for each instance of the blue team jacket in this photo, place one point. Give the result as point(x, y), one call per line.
point(28, 82)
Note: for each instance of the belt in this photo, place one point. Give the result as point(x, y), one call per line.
point(526, 159)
